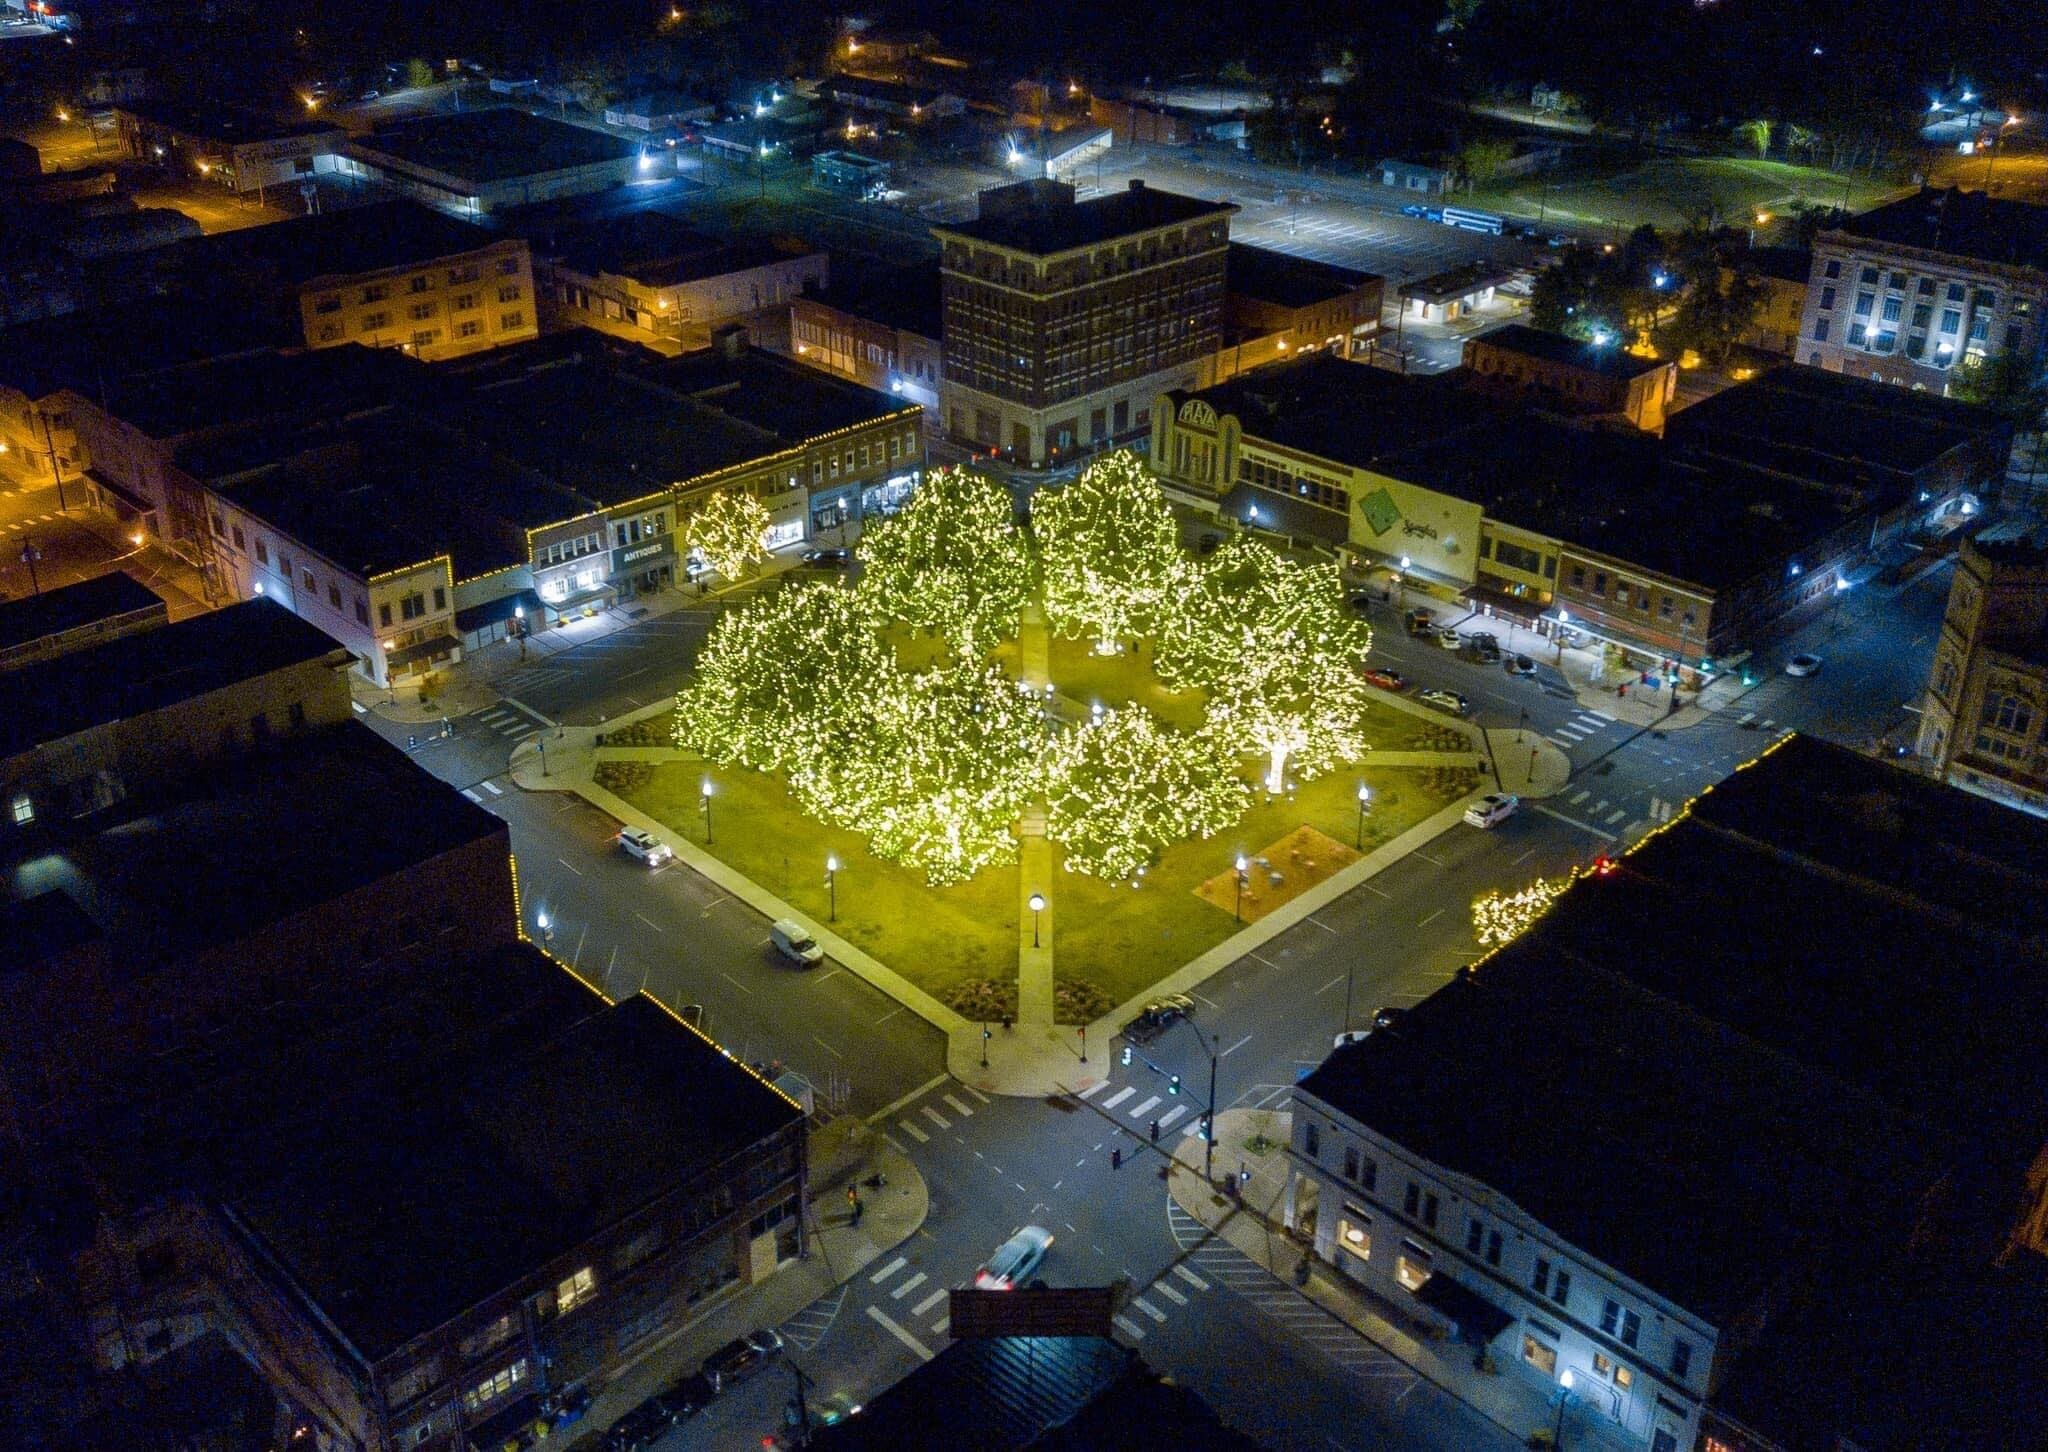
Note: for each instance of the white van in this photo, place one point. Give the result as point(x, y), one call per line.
point(795, 944)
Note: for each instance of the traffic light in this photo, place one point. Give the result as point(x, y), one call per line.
point(1127, 1056)
point(1173, 1085)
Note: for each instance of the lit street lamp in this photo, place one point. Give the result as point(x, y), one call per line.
point(831, 884)
point(1401, 581)
point(1564, 1395)
point(1761, 219)
point(1243, 876)
point(546, 926)
point(1364, 800)
point(704, 806)
point(1991, 155)
point(1037, 907)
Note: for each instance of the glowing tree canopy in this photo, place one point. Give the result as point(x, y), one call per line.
point(781, 678)
point(936, 769)
point(1279, 653)
point(1122, 787)
point(1109, 550)
point(953, 561)
point(1499, 918)
point(727, 529)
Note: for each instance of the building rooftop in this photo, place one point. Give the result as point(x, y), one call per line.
point(229, 125)
point(1042, 217)
point(1286, 280)
point(89, 351)
point(218, 393)
point(655, 250)
point(894, 93)
point(1556, 348)
point(354, 240)
point(1457, 282)
point(1573, 1060)
point(492, 146)
point(1961, 224)
point(773, 392)
point(908, 298)
point(136, 674)
point(70, 607)
point(1781, 264)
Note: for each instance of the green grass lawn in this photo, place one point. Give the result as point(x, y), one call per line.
point(1669, 192)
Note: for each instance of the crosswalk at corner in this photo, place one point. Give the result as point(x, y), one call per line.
point(1583, 723)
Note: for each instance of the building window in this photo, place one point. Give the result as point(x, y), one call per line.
point(420, 312)
point(362, 611)
point(509, 294)
point(1475, 1236)
point(1864, 301)
point(494, 1386)
point(24, 809)
point(513, 319)
point(1681, 1359)
point(465, 301)
point(1561, 1287)
point(440, 598)
point(1869, 276)
point(1857, 333)
point(2008, 713)
point(1351, 1162)
point(1543, 1358)
point(373, 321)
point(508, 266)
point(574, 1291)
point(312, 585)
point(1411, 1202)
point(262, 551)
point(328, 304)
point(1411, 1266)
point(376, 292)
point(1355, 1235)
point(1923, 315)
point(1540, 1277)
point(240, 543)
point(384, 614)
point(1619, 1322)
point(426, 337)
point(1311, 1140)
point(420, 284)
point(1892, 308)
point(1951, 320)
point(1827, 299)
point(468, 328)
point(1833, 269)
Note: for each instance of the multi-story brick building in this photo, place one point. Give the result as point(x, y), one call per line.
point(225, 145)
point(1984, 723)
point(1063, 320)
point(1277, 306)
point(1919, 287)
point(1566, 375)
point(879, 327)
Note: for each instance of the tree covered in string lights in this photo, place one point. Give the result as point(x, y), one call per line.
point(951, 561)
point(1279, 654)
point(934, 768)
point(728, 530)
point(1122, 787)
point(1108, 550)
point(782, 679)
point(1499, 918)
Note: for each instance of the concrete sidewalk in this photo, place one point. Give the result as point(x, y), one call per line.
point(838, 1250)
point(1252, 1222)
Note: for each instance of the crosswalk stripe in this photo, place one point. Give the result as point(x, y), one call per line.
point(1616, 816)
point(1094, 1089)
point(958, 1108)
point(1131, 1328)
point(888, 1270)
point(939, 1326)
point(360, 708)
point(1572, 729)
point(881, 1318)
point(1149, 1309)
point(1170, 1293)
point(1191, 1278)
point(1119, 1097)
point(1139, 1112)
point(472, 796)
point(913, 1131)
point(1745, 718)
point(935, 1117)
point(928, 1302)
point(1602, 716)
point(1172, 1114)
point(1579, 796)
point(970, 1089)
point(494, 789)
point(908, 1286)
point(1194, 1127)
point(1564, 741)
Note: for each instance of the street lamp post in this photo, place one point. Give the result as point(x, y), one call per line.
point(1991, 153)
point(1401, 581)
point(1243, 874)
point(29, 555)
point(1037, 907)
point(831, 886)
point(546, 926)
point(1564, 1395)
point(704, 806)
point(1364, 800)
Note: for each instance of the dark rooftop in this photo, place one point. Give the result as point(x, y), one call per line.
point(1962, 224)
point(68, 607)
point(136, 674)
point(1457, 282)
point(492, 146)
point(353, 240)
point(870, 89)
point(896, 297)
point(655, 250)
point(1347, 412)
point(88, 351)
point(1042, 217)
point(1782, 264)
point(772, 392)
point(1572, 352)
point(1573, 1059)
point(229, 124)
point(1289, 281)
point(215, 394)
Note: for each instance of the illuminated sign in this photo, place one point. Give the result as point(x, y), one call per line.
point(1196, 412)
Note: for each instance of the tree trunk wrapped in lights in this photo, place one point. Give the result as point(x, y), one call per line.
point(1109, 551)
point(1123, 787)
point(952, 561)
point(728, 529)
point(1279, 652)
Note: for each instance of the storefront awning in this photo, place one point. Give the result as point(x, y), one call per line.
point(1522, 609)
point(1286, 515)
point(494, 612)
point(1477, 1318)
point(432, 648)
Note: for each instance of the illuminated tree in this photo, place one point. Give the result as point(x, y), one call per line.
point(1499, 918)
point(1279, 653)
point(1109, 550)
point(1122, 787)
point(934, 768)
point(728, 529)
point(781, 678)
point(952, 561)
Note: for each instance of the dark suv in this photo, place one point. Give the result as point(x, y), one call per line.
point(642, 1427)
point(737, 1360)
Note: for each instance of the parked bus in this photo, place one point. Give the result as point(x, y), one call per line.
point(1472, 221)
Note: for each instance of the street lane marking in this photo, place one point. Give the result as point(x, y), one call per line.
point(1324, 926)
point(876, 1314)
point(1149, 1309)
point(1235, 1047)
point(1172, 1114)
point(737, 984)
point(958, 1108)
point(939, 1326)
point(913, 1131)
point(1570, 821)
point(1431, 918)
point(928, 1302)
point(1616, 815)
point(970, 1089)
point(1139, 1111)
point(1162, 1288)
point(650, 922)
point(1131, 1328)
point(494, 789)
point(908, 1286)
point(1523, 858)
point(1191, 1278)
point(935, 1117)
point(1094, 1089)
point(826, 1047)
point(565, 862)
point(1579, 796)
point(1330, 985)
point(472, 796)
point(1119, 1097)
point(888, 1270)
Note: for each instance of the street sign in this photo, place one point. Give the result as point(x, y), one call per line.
point(1053, 1311)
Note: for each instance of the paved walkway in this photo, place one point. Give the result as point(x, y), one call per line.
point(1035, 999)
point(1253, 1224)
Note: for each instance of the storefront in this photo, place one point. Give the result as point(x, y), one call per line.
point(642, 568)
point(887, 496)
point(835, 508)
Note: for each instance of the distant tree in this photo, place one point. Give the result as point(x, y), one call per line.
point(1480, 161)
point(1717, 309)
point(418, 73)
point(1755, 133)
point(728, 529)
point(1109, 550)
point(2009, 384)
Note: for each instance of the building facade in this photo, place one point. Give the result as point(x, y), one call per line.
point(1569, 376)
point(478, 162)
point(235, 149)
point(1063, 320)
point(878, 328)
point(1287, 306)
point(451, 306)
point(1984, 721)
point(1910, 292)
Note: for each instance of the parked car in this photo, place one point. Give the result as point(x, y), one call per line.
point(691, 1395)
point(1387, 680)
point(1485, 644)
point(1158, 1015)
point(832, 559)
point(1802, 665)
point(739, 1359)
point(1362, 601)
point(1015, 1259)
point(1492, 809)
point(1449, 639)
point(795, 943)
point(1420, 622)
point(1519, 665)
point(1387, 1017)
point(1351, 1036)
point(643, 844)
point(1414, 209)
point(642, 1427)
point(1449, 701)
